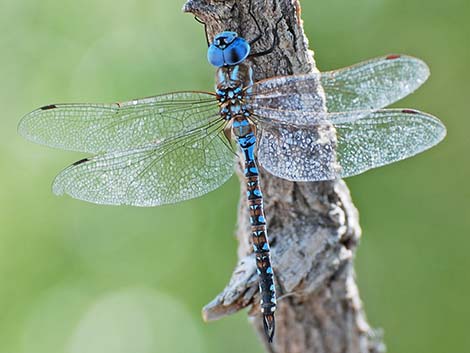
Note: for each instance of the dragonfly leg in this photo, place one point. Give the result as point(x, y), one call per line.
point(205, 29)
point(255, 20)
point(273, 44)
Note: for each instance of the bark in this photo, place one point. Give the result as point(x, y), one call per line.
point(313, 227)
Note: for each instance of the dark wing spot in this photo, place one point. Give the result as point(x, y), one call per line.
point(47, 107)
point(409, 111)
point(81, 161)
point(393, 57)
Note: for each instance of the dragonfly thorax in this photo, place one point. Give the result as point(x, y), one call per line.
point(232, 85)
point(231, 77)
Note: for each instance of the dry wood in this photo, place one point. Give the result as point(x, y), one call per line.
point(313, 227)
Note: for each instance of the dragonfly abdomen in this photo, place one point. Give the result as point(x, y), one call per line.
point(246, 139)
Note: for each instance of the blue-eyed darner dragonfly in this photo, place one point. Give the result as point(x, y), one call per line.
point(172, 147)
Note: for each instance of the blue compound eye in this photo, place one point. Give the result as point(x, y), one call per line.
point(227, 49)
point(215, 56)
point(237, 51)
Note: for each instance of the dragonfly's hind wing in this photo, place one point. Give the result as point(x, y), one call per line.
point(173, 170)
point(345, 144)
point(298, 153)
point(373, 84)
point(96, 128)
point(383, 137)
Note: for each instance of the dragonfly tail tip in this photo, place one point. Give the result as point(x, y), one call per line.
point(269, 326)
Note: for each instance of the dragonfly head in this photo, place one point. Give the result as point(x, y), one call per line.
point(228, 49)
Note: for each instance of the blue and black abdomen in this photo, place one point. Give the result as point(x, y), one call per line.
point(246, 139)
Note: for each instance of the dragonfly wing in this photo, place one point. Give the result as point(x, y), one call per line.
point(174, 170)
point(96, 128)
point(373, 84)
point(298, 152)
point(383, 137)
point(369, 85)
point(296, 94)
point(347, 144)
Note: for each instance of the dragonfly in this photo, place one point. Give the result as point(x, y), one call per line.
point(303, 128)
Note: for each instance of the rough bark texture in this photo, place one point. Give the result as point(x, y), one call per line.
point(313, 227)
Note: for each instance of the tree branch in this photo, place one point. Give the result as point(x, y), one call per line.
point(313, 227)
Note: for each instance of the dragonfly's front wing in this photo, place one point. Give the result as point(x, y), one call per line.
point(174, 170)
point(97, 128)
point(346, 144)
point(368, 85)
point(373, 84)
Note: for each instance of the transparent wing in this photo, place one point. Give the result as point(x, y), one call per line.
point(298, 152)
point(346, 144)
point(384, 137)
point(369, 85)
point(373, 84)
point(297, 94)
point(96, 128)
point(174, 170)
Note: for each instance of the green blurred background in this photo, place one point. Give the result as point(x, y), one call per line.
point(81, 278)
